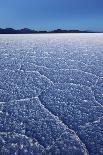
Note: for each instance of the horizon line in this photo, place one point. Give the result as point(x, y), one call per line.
point(10, 30)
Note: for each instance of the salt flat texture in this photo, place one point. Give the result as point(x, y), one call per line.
point(51, 94)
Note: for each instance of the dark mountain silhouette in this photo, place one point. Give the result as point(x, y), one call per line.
point(30, 31)
point(68, 31)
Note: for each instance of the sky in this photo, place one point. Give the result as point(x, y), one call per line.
point(52, 14)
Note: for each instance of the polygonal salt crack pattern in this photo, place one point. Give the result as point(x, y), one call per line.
point(30, 118)
point(51, 94)
point(16, 85)
point(74, 104)
point(13, 143)
point(94, 135)
point(98, 90)
point(62, 144)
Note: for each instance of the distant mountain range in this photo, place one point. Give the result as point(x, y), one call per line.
point(30, 31)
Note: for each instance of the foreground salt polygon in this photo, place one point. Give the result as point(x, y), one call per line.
point(51, 94)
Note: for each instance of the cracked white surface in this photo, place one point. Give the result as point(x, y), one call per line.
point(51, 94)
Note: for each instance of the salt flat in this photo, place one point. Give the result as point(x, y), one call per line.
point(51, 94)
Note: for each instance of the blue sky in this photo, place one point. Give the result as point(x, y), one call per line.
point(52, 14)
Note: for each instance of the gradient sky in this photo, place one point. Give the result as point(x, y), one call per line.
point(52, 14)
